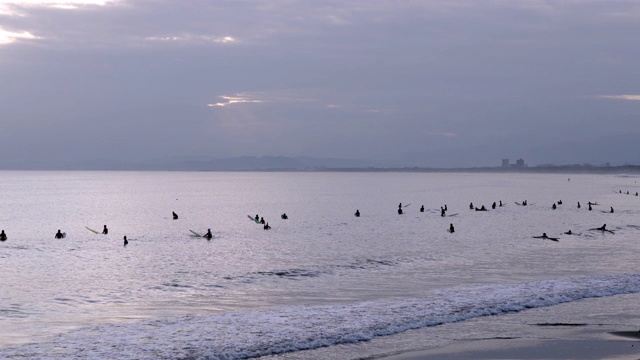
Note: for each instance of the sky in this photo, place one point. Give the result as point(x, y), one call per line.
point(446, 83)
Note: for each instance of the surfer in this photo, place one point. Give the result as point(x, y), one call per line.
point(493, 206)
point(59, 235)
point(471, 207)
point(602, 228)
point(451, 229)
point(262, 220)
point(445, 207)
point(442, 212)
point(125, 241)
point(578, 204)
point(400, 206)
point(3, 236)
point(500, 203)
point(568, 233)
point(611, 210)
point(524, 203)
point(284, 216)
point(482, 208)
point(105, 231)
point(400, 211)
point(175, 216)
point(357, 214)
point(422, 208)
point(266, 226)
point(208, 235)
point(590, 207)
point(257, 218)
point(559, 202)
point(553, 206)
point(544, 236)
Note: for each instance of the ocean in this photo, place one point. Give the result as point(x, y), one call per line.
point(321, 284)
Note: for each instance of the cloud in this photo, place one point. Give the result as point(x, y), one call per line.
point(236, 99)
point(9, 37)
point(621, 97)
point(194, 38)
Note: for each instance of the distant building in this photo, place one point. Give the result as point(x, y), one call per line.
point(505, 163)
point(520, 163)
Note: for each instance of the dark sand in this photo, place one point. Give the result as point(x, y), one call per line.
point(619, 345)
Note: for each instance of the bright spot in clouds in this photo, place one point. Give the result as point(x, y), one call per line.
point(238, 99)
point(621, 97)
point(205, 38)
point(8, 37)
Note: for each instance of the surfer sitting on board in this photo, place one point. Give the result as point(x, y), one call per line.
point(500, 203)
point(611, 210)
point(451, 229)
point(266, 226)
point(399, 211)
point(59, 235)
point(257, 218)
point(175, 216)
point(3, 236)
point(568, 233)
point(553, 206)
point(442, 212)
point(357, 214)
point(544, 236)
point(125, 241)
point(262, 220)
point(208, 235)
point(284, 216)
point(493, 206)
point(105, 231)
point(471, 206)
point(422, 208)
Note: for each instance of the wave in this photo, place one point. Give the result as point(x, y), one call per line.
point(249, 334)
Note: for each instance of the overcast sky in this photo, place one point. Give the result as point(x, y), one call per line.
point(412, 82)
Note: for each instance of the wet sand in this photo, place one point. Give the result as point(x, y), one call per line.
point(619, 345)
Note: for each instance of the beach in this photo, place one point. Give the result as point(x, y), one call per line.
point(322, 284)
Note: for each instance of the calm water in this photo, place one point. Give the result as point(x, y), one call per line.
point(322, 281)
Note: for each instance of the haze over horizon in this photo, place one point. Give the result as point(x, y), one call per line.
point(415, 83)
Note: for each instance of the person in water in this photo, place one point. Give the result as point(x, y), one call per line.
point(3, 236)
point(175, 216)
point(422, 208)
point(284, 216)
point(578, 204)
point(257, 218)
point(553, 206)
point(493, 206)
point(590, 207)
point(59, 235)
point(442, 212)
point(451, 229)
point(445, 207)
point(125, 241)
point(611, 210)
point(105, 231)
point(568, 233)
point(208, 235)
point(357, 214)
point(399, 211)
point(471, 206)
point(559, 202)
point(262, 220)
point(400, 206)
point(602, 228)
point(266, 226)
point(500, 203)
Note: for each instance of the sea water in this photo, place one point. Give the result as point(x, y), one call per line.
point(322, 284)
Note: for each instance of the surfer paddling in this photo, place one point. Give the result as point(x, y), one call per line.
point(603, 228)
point(544, 236)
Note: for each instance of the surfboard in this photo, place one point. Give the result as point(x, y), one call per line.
point(253, 219)
point(90, 229)
point(195, 234)
point(453, 214)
